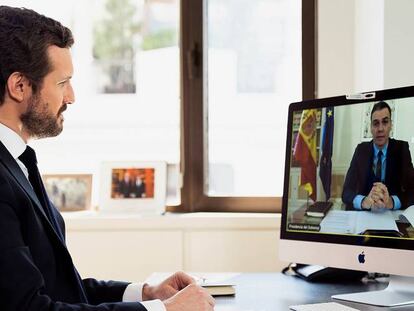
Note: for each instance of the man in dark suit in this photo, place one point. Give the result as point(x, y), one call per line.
point(381, 172)
point(36, 269)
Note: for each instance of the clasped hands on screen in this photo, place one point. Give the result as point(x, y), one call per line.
point(378, 198)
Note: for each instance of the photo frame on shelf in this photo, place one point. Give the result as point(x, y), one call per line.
point(133, 186)
point(69, 192)
point(366, 120)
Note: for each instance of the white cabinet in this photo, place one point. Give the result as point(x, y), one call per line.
point(125, 255)
point(132, 247)
point(232, 251)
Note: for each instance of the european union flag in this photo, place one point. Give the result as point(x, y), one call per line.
point(325, 167)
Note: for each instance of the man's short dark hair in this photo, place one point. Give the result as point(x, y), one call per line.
point(379, 106)
point(24, 38)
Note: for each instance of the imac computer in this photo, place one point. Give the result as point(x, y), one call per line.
point(348, 199)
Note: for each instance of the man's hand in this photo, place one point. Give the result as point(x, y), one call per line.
point(368, 202)
point(191, 298)
point(378, 198)
point(167, 288)
point(382, 198)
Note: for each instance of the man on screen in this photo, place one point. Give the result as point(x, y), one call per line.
point(381, 171)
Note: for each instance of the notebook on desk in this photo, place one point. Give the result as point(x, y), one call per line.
point(217, 284)
point(219, 289)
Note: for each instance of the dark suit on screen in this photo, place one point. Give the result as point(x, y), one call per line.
point(398, 174)
point(36, 269)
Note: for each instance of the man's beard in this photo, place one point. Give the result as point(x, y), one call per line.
point(39, 122)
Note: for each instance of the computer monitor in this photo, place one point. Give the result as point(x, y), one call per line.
point(345, 205)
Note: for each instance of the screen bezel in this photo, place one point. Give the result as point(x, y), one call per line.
point(356, 240)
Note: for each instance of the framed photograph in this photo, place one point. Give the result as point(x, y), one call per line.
point(69, 192)
point(366, 120)
point(138, 187)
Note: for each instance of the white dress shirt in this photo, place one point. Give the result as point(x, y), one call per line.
point(16, 146)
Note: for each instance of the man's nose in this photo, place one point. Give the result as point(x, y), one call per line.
point(69, 97)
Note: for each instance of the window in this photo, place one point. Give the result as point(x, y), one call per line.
point(250, 60)
point(203, 85)
point(127, 86)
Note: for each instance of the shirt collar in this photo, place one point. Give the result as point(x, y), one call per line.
point(384, 150)
point(12, 141)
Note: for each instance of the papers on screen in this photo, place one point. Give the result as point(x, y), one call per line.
point(357, 222)
point(407, 216)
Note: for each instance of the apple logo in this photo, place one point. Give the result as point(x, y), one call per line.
point(361, 258)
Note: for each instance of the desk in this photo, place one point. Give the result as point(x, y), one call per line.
point(276, 292)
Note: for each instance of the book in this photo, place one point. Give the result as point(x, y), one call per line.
point(318, 209)
point(217, 284)
point(219, 289)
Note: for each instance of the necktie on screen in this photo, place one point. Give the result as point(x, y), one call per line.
point(378, 168)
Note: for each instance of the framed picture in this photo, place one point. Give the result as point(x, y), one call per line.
point(69, 192)
point(138, 187)
point(366, 120)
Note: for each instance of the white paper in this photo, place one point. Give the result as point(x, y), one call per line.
point(381, 220)
point(407, 216)
point(339, 222)
point(356, 222)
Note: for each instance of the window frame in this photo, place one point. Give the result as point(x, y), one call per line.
point(194, 112)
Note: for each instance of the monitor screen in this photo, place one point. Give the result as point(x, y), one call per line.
point(349, 181)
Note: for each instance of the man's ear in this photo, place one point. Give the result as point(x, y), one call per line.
point(18, 86)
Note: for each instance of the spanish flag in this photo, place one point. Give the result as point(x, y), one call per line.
point(305, 151)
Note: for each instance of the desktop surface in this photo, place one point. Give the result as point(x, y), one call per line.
point(276, 292)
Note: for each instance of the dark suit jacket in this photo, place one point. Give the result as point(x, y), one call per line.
point(130, 189)
point(398, 175)
point(36, 269)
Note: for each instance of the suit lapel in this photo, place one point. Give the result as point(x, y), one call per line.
point(11, 165)
point(366, 165)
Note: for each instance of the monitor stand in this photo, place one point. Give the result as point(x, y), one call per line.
point(400, 292)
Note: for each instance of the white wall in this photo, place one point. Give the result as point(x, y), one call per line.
point(335, 47)
point(347, 131)
point(399, 43)
point(364, 45)
point(369, 45)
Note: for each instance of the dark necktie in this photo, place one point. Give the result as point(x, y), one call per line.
point(378, 168)
point(28, 157)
